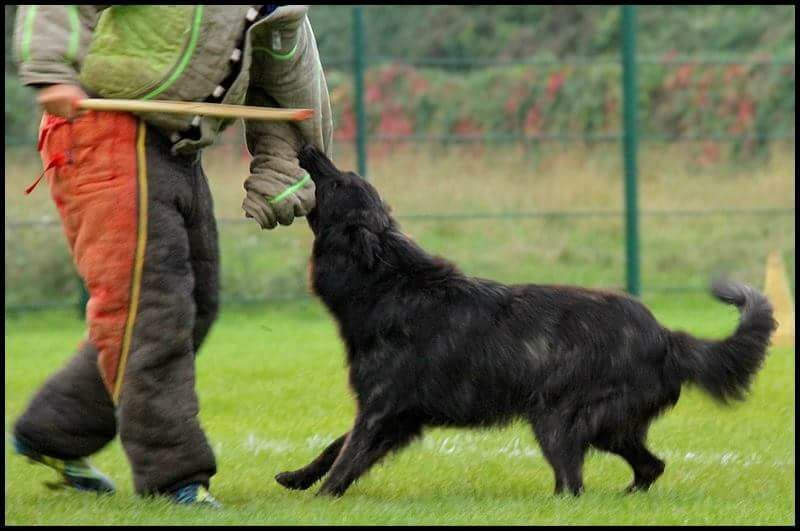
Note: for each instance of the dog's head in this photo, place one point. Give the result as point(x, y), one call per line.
point(346, 203)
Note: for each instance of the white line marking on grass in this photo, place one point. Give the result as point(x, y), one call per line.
point(481, 445)
point(257, 446)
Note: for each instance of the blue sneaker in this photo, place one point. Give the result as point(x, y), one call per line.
point(74, 473)
point(195, 494)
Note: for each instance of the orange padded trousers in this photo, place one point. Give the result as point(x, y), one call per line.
point(139, 224)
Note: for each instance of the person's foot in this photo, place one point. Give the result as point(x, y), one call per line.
point(195, 494)
point(74, 473)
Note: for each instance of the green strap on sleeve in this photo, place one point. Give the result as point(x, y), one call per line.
point(27, 33)
point(281, 57)
point(292, 189)
point(74, 33)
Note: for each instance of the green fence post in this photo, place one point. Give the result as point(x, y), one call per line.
point(83, 299)
point(358, 78)
point(630, 147)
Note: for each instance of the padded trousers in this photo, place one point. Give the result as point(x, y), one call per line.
point(140, 226)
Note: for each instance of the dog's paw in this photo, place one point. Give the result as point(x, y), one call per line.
point(330, 492)
point(634, 487)
point(294, 481)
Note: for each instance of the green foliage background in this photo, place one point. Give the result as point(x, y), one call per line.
point(559, 98)
point(520, 32)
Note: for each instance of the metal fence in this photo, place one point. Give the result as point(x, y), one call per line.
point(629, 136)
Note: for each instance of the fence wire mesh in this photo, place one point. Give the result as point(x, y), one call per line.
point(511, 165)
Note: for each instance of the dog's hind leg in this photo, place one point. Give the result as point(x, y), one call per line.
point(646, 467)
point(303, 478)
point(565, 450)
point(370, 439)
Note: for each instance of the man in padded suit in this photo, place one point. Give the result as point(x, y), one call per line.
point(137, 213)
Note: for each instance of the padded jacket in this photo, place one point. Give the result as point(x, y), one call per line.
point(184, 52)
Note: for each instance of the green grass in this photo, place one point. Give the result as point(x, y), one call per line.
point(273, 391)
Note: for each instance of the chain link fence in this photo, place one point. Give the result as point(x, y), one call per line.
point(471, 152)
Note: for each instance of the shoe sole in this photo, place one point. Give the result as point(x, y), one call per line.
point(73, 479)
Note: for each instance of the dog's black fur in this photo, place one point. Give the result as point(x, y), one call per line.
point(429, 346)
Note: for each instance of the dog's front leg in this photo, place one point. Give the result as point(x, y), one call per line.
point(303, 478)
point(371, 438)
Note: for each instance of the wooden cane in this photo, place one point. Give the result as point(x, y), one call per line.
point(218, 110)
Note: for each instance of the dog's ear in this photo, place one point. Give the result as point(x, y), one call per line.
point(365, 246)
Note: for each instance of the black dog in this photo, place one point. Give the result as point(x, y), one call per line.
point(429, 346)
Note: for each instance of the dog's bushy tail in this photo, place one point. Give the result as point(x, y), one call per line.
point(726, 367)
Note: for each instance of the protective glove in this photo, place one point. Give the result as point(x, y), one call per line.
point(278, 189)
point(286, 72)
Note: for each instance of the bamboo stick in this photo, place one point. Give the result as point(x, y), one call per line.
point(218, 110)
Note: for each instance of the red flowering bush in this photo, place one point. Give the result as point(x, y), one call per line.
point(702, 101)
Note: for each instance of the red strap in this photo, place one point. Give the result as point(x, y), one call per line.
point(49, 122)
point(58, 160)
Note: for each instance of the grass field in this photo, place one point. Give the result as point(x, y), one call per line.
point(272, 380)
point(272, 385)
